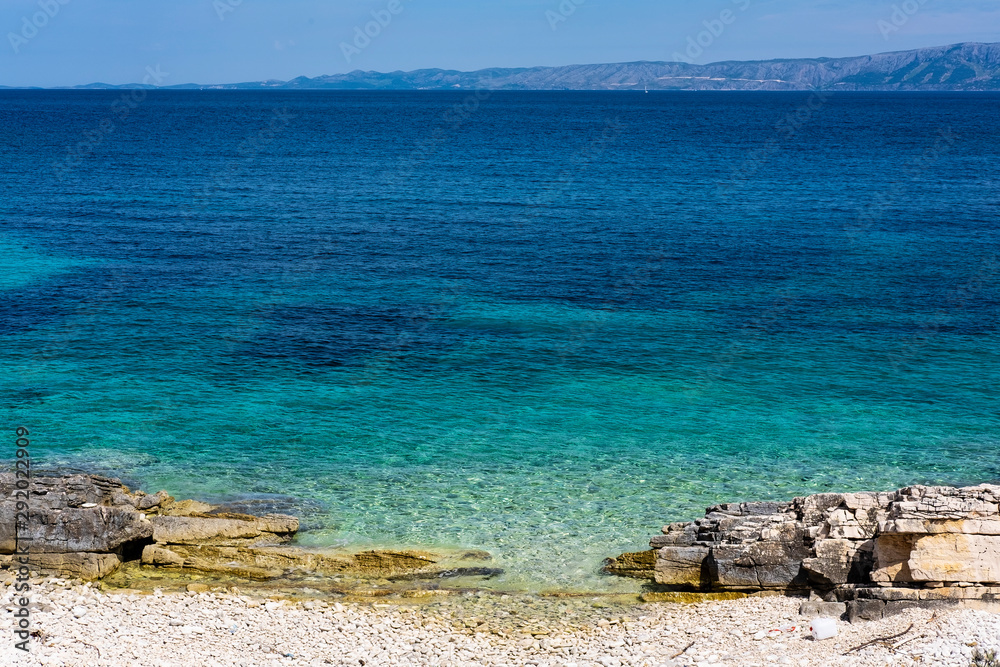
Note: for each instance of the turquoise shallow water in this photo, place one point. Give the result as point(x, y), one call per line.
point(525, 333)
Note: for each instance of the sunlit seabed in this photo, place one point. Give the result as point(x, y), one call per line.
point(550, 476)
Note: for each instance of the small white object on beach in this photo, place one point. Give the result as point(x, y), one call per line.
point(88, 505)
point(824, 628)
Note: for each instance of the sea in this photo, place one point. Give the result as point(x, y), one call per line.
point(540, 324)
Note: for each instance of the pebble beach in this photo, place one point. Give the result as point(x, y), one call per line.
point(76, 625)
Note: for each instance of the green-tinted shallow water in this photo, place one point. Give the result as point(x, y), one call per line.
point(471, 349)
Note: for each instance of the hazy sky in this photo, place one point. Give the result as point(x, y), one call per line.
point(66, 42)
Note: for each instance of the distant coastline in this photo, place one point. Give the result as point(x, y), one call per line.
point(958, 67)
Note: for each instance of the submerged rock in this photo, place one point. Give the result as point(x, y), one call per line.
point(452, 573)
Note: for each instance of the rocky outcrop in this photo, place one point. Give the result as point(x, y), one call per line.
point(223, 529)
point(876, 552)
point(89, 527)
point(86, 526)
point(269, 562)
point(78, 525)
point(638, 565)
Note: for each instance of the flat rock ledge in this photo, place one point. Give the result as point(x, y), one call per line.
point(90, 527)
point(859, 555)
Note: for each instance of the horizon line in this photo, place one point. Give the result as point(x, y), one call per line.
point(217, 86)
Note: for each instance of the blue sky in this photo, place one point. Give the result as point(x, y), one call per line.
point(66, 42)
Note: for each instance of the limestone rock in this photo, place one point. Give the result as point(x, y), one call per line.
point(160, 556)
point(758, 551)
point(69, 491)
point(814, 509)
point(955, 557)
point(930, 526)
point(96, 529)
point(840, 561)
point(638, 565)
point(386, 563)
point(917, 545)
point(889, 594)
point(816, 608)
point(86, 566)
point(8, 528)
point(223, 529)
point(67, 513)
point(149, 502)
point(681, 566)
point(276, 561)
point(937, 557)
point(758, 566)
point(85, 525)
point(892, 558)
point(676, 534)
point(865, 610)
point(184, 508)
point(942, 503)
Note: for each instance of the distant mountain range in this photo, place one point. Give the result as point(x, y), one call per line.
point(969, 66)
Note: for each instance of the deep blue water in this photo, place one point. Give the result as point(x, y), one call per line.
point(541, 324)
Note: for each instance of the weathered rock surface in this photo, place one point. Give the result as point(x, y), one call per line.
point(636, 564)
point(879, 552)
point(815, 608)
point(272, 562)
point(86, 566)
point(87, 526)
point(78, 525)
point(224, 529)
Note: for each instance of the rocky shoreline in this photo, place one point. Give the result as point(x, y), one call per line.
point(855, 555)
point(183, 582)
point(91, 528)
point(858, 555)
